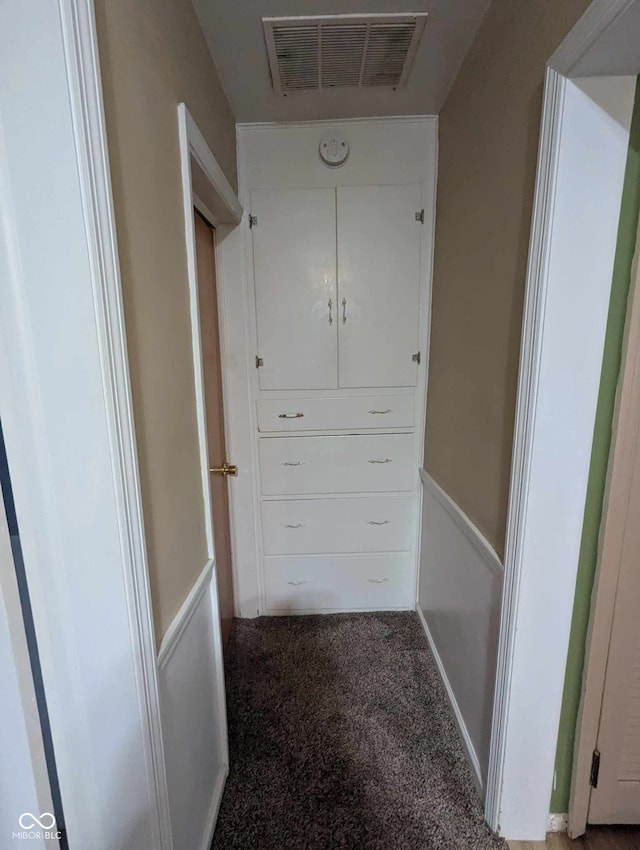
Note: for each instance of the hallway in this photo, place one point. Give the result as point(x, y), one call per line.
point(341, 736)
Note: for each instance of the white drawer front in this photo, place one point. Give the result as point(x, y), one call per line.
point(325, 414)
point(367, 463)
point(315, 526)
point(335, 583)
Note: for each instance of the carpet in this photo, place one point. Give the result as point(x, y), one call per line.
point(341, 736)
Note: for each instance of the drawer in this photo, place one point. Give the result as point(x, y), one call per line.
point(314, 526)
point(336, 414)
point(334, 583)
point(363, 463)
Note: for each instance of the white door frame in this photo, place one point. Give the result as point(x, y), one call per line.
point(224, 212)
point(582, 156)
point(614, 515)
point(67, 417)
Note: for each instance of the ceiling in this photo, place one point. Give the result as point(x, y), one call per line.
point(233, 29)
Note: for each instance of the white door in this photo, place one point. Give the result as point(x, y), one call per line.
point(294, 261)
point(616, 798)
point(378, 288)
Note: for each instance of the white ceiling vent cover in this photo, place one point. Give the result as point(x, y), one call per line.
point(334, 51)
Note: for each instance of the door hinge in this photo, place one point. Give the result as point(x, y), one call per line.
point(420, 216)
point(253, 221)
point(416, 357)
point(259, 362)
point(595, 769)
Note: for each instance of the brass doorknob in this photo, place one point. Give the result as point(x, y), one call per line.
point(225, 469)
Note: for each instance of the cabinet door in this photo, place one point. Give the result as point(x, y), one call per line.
point(294, 262)
point(378, 285)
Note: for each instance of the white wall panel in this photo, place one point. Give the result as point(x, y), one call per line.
point(193, 720)
point(459, 595)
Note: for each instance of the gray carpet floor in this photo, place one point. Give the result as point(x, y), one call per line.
point(341, 737)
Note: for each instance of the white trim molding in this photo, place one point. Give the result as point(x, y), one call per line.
point(224, 212)
point(530, 353)
point(473, 535)
point(191, 655)
point(572, 248)
point(83, 69)
point(201, 152)
point(598, 17)
point(74, 465)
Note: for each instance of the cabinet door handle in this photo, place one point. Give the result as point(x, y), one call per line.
point(386, 460)
point(290, 463)
point(384, 522)
point(344, 311)
point(377, 580)
point(296, 583)
point(330, 314)
point(381, 412)
point(298, 525)
point(291, 416)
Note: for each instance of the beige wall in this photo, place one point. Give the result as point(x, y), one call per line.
point(489, 130)
point(153, 55)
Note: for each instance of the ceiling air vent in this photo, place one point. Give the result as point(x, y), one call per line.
point(341, 50)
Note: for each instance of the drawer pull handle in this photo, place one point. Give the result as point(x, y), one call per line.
point(291, 416)
point(377, 580)
point(297, 525)
point(344, 311)
point(330, 305)
point(297, 463)
point(298, 583)
point(386, 460)
point(380, 412)
point(384, 522)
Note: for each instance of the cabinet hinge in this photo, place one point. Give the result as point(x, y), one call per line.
point(416, 357)
point(253, 221)
point(420, 216)
point(595, 769)
point(259, 362)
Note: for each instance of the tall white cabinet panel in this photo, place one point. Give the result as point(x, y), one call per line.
point(338, 391)
point(379, 242)
point(294, 254)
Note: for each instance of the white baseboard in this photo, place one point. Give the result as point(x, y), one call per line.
point(464, 734)
point(212, 818)
point(558, 822)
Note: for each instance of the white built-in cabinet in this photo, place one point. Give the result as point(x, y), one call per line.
point(338, 265)
point(337, 274)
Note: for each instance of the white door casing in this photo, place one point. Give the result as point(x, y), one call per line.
point(67, 420)
point(378, 284)
point(294, 247)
